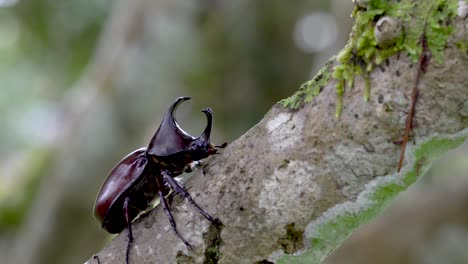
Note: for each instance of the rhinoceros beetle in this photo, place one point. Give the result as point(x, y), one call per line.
point(148, 172)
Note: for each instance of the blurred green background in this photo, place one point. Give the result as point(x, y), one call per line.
point(84, 82)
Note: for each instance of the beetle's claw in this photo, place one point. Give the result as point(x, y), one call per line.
point(188, 246)
point(217, 222)
point(222, 145)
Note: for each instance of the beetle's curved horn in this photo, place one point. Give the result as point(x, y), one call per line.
point(204, 139)
point(205, 136)
point(201, 146)
point(170, 138)
point(173, 108)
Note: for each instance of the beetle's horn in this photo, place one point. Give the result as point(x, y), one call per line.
point(205, 137)
point(171, 111)
point(170, 138)
point(177, 103)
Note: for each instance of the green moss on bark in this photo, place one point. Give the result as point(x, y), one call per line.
point(361, 54)
point(310, 89)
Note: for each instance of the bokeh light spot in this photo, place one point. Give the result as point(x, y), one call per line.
point(315, 32)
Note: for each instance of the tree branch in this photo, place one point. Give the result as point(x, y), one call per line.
point(295, 168)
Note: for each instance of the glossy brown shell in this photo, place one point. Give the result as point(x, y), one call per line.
point(120, 180)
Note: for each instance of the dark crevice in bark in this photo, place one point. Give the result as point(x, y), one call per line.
point(213, 243)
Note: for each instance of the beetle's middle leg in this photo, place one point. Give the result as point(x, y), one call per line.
point(181, 190)
point(167, 210)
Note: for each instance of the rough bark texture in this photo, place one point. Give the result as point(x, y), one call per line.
point(428, 224)
point(294, 165)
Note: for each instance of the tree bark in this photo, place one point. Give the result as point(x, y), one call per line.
point(427, 224)
point(293, 168)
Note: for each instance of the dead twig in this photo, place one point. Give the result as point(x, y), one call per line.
point(423, 62)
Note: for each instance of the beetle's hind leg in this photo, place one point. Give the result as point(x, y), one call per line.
point(181, 190)
point(129, 228)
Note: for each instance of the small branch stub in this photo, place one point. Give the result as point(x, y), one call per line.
point(387, 31)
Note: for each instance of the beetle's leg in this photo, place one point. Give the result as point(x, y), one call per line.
point(129, 228)
point(171, 219)
point(192, 165)
point(222, 145)
point(127, 220)
point(181, 190)
point(96, 257)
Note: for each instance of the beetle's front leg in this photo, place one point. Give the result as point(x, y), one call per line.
point(192, 165)
point(222, 145)
point(176, 186)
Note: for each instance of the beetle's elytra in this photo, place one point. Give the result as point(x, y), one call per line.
point(148, 172)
